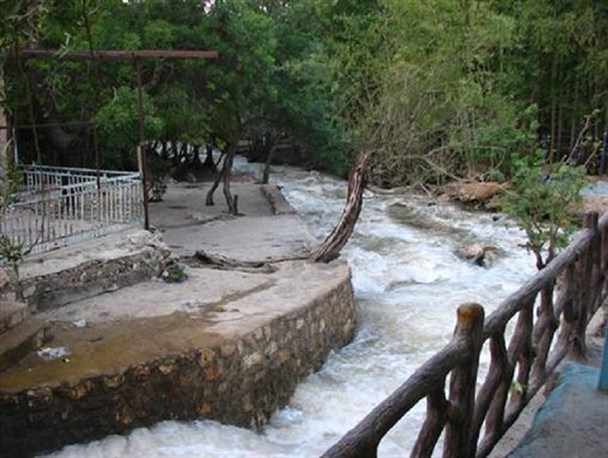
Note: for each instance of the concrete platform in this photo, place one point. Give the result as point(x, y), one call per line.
point(268, 228)
point(229, 345)
point(153, 320)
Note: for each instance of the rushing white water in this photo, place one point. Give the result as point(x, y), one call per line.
point(408, 282)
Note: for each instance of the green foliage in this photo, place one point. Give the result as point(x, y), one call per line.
point(174, 274)
point(21, 21)
point(11, 253)
point(10, 178)
point(119, 125)
point(518, 388)
point(419, 80)
point(432, 89)
point(544, 201)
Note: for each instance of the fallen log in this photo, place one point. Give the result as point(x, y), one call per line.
point(217, 261)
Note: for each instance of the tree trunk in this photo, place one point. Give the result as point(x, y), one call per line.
point(574, 115)
point(558, 141)
point(216, 183)
point(225, 176)
point(196, 157)
point(164, 152)
point(330, 248)
point(552, 144)
point(183, 154)
point(174, 153)
point(5, 133)
point(208, 162)
point(266, 174)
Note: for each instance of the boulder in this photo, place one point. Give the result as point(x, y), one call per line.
point(478, 254)
point(480, 191)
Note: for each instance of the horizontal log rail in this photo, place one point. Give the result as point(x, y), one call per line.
point(552, 311)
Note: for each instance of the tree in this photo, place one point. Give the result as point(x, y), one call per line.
point(11, 252)
point(544, 201)
point(559, 62)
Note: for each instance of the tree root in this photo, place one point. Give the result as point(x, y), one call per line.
point(217, 261)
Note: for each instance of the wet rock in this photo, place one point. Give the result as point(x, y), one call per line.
point(480, 192)
point(477, 193)
point(478, 254)
point(40, 399)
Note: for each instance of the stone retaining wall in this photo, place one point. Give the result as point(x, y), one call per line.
point(240, 382)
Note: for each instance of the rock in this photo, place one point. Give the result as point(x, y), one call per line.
point(6, 277)
point(595, 204)
point(480, 192)
point(481, 255)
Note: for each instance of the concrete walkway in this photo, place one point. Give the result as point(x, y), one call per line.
point(266, 228)
point(568, 418)
point(573, 421)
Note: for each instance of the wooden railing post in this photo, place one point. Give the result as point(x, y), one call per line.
point(492, 398)
point(437, 408)
point(521, 354)
point(462, 384)
point(578, 348)
point(595, 252)
point(543, 332)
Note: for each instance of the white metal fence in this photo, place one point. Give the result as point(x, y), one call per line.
point(58, 206)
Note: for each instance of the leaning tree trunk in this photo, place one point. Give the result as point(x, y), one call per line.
point(330, 248)
point(227, 174)
point(266, 173)
point(224, 176)
point(216, 183)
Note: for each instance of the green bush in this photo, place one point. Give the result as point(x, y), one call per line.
point(544, 200)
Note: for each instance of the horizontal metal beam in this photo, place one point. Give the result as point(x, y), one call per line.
point(50, 124)
point(118, 54)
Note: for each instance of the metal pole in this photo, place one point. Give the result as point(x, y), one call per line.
point(141, 149)
point(96, 151)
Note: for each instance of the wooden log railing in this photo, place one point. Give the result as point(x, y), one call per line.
point(546, 331)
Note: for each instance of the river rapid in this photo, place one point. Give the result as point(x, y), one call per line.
point(408, 281)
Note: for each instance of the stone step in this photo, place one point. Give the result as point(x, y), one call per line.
point(87, 269)
point(20, 340)
point(11, 314)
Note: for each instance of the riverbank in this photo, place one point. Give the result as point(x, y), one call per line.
point(228, 344)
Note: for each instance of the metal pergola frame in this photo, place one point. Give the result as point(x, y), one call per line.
point(134, 56)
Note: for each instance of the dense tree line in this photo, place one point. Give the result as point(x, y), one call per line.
point(431, 90)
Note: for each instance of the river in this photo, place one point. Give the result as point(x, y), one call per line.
point(408, 281)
